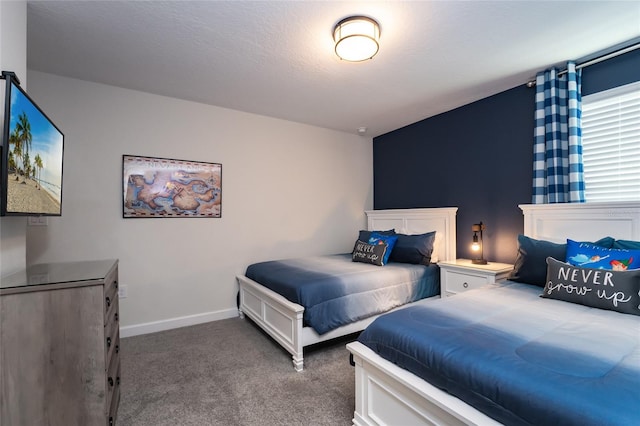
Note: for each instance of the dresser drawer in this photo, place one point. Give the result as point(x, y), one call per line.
point(457, 282)
point(112, 345)
point(110, 303)
point(111, 281)
point(112, 416)
point(110, 294)
point(113, 382)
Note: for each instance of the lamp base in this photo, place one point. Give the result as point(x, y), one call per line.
point(478, 261)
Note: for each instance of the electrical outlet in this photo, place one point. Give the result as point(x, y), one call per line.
point(122, 291)
point(37, 221)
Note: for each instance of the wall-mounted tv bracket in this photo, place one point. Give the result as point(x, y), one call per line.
point(12, 76)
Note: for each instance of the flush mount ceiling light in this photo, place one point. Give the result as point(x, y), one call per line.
point(356, 38)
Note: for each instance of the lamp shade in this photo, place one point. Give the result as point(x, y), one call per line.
point(356, 38)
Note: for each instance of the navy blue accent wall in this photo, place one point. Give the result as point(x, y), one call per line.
point(478, 158)
point(618, 71)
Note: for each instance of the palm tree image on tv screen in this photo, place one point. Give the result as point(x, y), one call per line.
point(34, 182)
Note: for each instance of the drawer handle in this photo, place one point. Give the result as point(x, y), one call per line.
point(108, 301)
point(110, 379)
point(110, 420)
point(108, 342)
point(115, 283)
point(117, 348)
point(465, 285)
point(116, 318)
point(118, 380)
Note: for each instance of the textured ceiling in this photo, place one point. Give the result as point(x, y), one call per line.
point(276, 58)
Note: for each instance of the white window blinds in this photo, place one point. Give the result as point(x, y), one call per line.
point(611, 144)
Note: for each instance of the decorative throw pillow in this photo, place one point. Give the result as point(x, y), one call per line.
point(364, 235)
point(414, 249)
point(593, 256)
point(389, 240)
point(597, 288)
point(626, 244)
point(369, 253)
point(530, 266)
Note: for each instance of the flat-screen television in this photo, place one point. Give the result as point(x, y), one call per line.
point(31, 156)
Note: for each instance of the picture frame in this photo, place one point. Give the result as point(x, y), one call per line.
point(156, 187)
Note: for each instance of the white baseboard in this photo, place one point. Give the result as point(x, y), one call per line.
point(168, 324)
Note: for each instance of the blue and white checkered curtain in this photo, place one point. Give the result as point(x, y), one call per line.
point(557, 149)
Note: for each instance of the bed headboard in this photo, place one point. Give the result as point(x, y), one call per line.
point(582, 221)
point(419, 221)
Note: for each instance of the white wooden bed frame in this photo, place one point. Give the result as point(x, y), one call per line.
point(282, 319)
point(389, 395)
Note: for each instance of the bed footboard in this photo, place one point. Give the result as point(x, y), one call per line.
point(283, 320)
point(280, 318)
point(386, 395)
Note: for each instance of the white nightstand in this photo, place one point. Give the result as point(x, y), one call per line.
point(461, 275)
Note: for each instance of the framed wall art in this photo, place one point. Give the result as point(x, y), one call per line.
point(163, 187)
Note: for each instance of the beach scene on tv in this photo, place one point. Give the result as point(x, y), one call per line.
point(34, 183)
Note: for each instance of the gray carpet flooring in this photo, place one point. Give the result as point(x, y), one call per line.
point(230, 373)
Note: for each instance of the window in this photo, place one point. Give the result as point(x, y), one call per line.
point(611, 144)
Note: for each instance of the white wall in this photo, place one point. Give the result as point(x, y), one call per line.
point(13, 57)
point(288, 190)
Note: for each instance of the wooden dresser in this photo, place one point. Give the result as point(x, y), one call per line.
point(59, 345)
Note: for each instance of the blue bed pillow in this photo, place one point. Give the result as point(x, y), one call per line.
point(593, 256)
point(364, 235)
point(626, 244)
point(369, 253)
point(389, 240)
point(597, 288)
point(415, 249)
point(606, 242)
point(530, 266)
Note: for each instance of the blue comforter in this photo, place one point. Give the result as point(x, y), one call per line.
point(336, 291)
point(519, 358)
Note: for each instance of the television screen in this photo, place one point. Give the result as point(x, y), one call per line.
point(31, 157)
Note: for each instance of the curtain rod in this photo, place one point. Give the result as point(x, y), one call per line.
point(532, 83)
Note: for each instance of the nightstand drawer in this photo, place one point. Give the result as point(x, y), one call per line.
point(461, 275)
point(457, 282)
